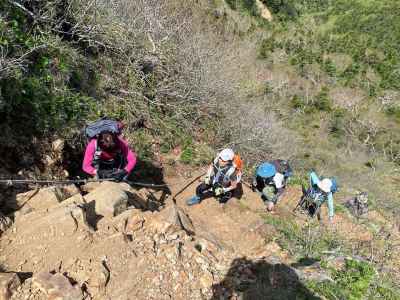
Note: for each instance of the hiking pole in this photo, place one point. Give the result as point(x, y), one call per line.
point(186, 186)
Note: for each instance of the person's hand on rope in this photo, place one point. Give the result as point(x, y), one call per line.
point(119, 175)
point(105, 174)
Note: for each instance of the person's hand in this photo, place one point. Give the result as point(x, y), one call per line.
point(218, 191)
point(119, 175)
point(254, 186)
point(104, 174)
point(207, 180)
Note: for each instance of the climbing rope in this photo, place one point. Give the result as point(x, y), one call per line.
point(11, 182)
point(71, 181)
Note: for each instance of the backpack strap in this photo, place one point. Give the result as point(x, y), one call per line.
point(96, 155)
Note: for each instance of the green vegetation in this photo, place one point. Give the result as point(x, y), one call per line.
point(244, 5)
point(339, 58)
point(350, 283)
point(309, 241)
point(45, 84)
point(354, 28)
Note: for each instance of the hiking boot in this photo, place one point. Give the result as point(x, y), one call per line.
point(194, 200)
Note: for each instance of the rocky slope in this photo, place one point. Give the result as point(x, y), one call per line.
point(112, 241)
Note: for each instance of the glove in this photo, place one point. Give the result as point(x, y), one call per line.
point(119, 175)
point(207, 180)
point(218, 191)
point(105, 174)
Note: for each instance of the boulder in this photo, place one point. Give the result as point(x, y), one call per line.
point(75, 199)
point(69, 190)
point(90, 186)
point(110, 199)
point(45, 198)
point(58, 221)
point(172, 218)
point(9, 282)
point(129, 221)
point(56, 286)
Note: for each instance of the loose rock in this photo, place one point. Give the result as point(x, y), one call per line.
point(56, 286)
point(9, 282)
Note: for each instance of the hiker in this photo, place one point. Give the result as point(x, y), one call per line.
point(270, 181)
point(358, 205)
point(222, 178)
point(322, 191)
point(107, 155)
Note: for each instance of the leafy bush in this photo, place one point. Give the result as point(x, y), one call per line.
point(351, 283)
point(187, 155)
point(37, 90)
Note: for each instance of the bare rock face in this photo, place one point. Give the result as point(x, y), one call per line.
point(56, 286)
point(109, 199)
point(172, 218)
point(9, 282)
point(45, 198)
point(90, 186)
point(62, 220)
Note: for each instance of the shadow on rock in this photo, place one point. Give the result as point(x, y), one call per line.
point(147, 172)
point(256, 280)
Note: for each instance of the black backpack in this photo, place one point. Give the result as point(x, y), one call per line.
point(283, 167)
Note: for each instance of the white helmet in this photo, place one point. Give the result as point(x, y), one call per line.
point(226, 154)
point(325, 185)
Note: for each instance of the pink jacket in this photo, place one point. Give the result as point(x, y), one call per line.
point(91, 149)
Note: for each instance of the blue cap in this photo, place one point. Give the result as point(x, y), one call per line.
point(266, 170)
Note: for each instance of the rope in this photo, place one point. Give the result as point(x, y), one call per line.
point(70, 181)
point(11, 182)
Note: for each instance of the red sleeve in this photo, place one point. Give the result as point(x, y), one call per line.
point(129, 155)
point(88, 159)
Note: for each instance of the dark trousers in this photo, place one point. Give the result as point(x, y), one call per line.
point(203, 188)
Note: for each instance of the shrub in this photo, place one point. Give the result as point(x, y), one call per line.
point(351, 283)
point(187, 155)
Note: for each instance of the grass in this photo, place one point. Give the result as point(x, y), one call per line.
point(307, 241)
point(352, 283)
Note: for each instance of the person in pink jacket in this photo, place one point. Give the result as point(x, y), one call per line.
point(109, 156)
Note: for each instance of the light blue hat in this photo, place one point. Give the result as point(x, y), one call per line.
point(266, 170)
